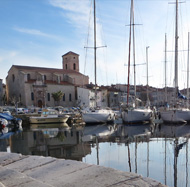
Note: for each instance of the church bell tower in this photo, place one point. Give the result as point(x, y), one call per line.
point(70, 61)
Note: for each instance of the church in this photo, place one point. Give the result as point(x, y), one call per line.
point(33, 86)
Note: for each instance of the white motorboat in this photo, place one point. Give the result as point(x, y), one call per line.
point(49, 116)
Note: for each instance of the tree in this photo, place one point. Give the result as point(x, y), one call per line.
point(14, 100)
point(57, 96)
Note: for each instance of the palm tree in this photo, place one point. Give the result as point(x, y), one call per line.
point(57, 96)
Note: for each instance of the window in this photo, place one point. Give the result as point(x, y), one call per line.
point(73, 57)
point(65, 132)
point(32, 96)
point(63, 97)
point(19, 97)
point(74, 66)
point(45, 77)
point(48, 96)
point(58, 79)
point(70, 97)
point(28, 77)
point(65, 66)
point(13, 77)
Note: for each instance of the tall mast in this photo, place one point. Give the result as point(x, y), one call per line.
point(166, 99)
point(133, 24)
point(176, 54)
point(188, 72)
point(95, 52)
point(129, 55)
point(147, 75)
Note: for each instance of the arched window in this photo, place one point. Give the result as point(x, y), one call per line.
point(45, 77)
point(32, 96)
point(65, 66)
point(74, 66)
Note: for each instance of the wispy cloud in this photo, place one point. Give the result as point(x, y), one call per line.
point(33, 32)
point(81, 7)
point(77, 13)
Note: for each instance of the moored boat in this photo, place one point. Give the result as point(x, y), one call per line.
point(8, 123)
point(98, 115)
point(49, 116)
point(176, 114)
point(137, 115)
point(133, 113)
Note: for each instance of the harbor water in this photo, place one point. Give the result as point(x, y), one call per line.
point(158, 151)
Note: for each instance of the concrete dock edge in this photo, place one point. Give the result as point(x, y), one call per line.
point(38, 171)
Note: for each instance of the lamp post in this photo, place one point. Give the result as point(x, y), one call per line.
point(147, 73)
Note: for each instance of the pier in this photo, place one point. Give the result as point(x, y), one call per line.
point(20, 170)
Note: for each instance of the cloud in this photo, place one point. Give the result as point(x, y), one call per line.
point(33, 32)
point(81, 7)
point(77, 12)
point(80, 15)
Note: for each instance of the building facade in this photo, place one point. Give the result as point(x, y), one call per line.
point(33, 86)
point(86, 97)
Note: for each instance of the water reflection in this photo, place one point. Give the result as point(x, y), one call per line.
point(156, 151)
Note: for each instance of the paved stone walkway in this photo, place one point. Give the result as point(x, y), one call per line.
point(37, 171)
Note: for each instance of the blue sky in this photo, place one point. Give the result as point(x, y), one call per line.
point(39, 32)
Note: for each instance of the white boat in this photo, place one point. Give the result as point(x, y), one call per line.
point(137, 115)
point(133, 114)
point(176, 114)
point(97, 115)
point(49, 116)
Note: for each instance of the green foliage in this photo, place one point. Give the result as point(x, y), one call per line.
point(57, 96)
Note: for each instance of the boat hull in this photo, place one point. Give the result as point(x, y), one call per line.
point(136, 115)
point(44, 120)
point(98, 116)
point(175, 115)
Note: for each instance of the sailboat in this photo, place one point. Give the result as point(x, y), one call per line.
point(97, 114)
point(134, 114)
point(175, 114)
